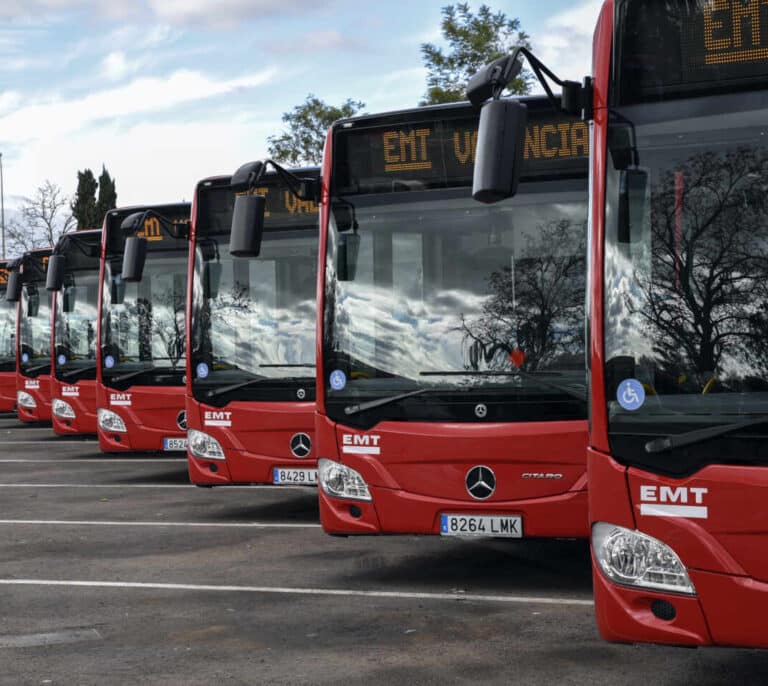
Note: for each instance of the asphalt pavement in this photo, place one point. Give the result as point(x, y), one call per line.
point(114, 570)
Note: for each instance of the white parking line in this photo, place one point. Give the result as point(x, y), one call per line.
point(306, 489)
point(81, 522)
point(397, 595)
point(50, 638)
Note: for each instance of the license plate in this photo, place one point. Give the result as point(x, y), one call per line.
point(286, 475)
point(174, 444)
point(505, 526)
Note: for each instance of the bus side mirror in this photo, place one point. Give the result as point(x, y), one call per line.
point(500, 139)
point(13, 289)
point(346, 261)
point(634, 204)
point(247, 226)
point(133, 258)
point(54, 277)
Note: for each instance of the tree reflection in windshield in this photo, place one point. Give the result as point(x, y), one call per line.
point(535, 310)
point(705, 295)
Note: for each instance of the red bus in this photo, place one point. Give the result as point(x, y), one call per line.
point(7, 343)
point(33, 350)
point(251, 373)
point(141, 361)
point(451, 392)
point(73, 277)
point(678, 321)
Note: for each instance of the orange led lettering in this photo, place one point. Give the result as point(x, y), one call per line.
point(296, 206)
point(725, 39)
point(465, 146)
point(579, 139)
point(151, 230)
point(546, 131)
point(406, 151)
point(564, 140)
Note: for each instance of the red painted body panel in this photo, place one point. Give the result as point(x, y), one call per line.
point(149, 418)
point(83, 403)
point(40, 389)
point(723, 547)
point(421, 468)
point(7, 391)
point(257, 442)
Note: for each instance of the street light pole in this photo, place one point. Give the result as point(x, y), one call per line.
point(2, 203)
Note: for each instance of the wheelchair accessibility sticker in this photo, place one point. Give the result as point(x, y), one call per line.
point(630, 394)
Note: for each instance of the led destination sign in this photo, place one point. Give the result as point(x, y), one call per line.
point(283, 209)
point(441, 153)
point(672, 49)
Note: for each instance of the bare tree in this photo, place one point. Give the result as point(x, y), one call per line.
point(44, 218)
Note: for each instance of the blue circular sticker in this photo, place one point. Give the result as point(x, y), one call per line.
point(338, 379)
point(202, 370)
point(109, 361)
point(25, 357)
point(61, 359)
point(630, 394)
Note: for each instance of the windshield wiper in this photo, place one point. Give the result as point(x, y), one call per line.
point(371, 404)
point(80, 370)
point(130, 375)
point(525, 375)
point(254, 381)
point(287, 366)
point(36, 368)
point(698, 435)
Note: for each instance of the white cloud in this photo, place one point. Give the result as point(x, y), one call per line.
point(9, 100)
point(565, 44)
point(225, 12)
point(115, 66)
point(143, 95)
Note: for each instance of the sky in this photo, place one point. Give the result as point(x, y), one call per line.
point(167, 92)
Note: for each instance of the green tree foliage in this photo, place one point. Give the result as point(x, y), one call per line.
point(84, 203)
point(473, 40)
point(107, 199)
point(307, 125)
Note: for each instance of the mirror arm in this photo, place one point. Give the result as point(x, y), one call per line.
point(294, 183)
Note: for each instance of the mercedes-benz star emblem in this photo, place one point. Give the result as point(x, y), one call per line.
point(181, 420)
point(301, 394)
point(301, 445)
point(481, 411)
point(481, 482)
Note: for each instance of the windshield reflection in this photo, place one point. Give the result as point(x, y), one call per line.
point(255, 317)
point(143, 323)
point(686, 303)
point(436, 285)
point(75, 321)
point(7, 334)
point(35, 327)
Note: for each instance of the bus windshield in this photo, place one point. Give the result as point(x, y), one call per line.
point(35, 329)
point(253, 319)
point(686, 265)
point(7, 334)
point(427, 290)
point(143, 322)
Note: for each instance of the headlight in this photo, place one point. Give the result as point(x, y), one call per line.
point(24, 399)
point(62, 409)
point(202, 445)
point(109, 421)
point(340, 481)
point(633, 559)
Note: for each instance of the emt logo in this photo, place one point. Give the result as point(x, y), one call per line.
point(357, 444)
point(217, 418)
point(122, 399)
point(673, 501)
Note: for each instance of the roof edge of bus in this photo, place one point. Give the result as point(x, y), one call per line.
point(224, 179)
point(141, 208)
point(537, 100)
